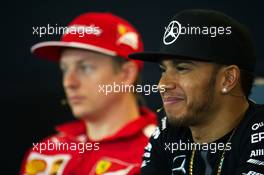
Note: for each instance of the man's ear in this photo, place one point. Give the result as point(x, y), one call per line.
point(129, 72)
point(230, 78)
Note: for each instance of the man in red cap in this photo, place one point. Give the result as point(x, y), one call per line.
point(111, 129)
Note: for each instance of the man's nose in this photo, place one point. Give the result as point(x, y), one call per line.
point(167, 82)
point(71, 80)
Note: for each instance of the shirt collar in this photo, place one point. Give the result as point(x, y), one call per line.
point(78, 127)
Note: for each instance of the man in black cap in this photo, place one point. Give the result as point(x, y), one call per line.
point(211, 127)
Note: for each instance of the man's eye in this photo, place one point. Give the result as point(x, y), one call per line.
point(86, 68)
point(182, 68)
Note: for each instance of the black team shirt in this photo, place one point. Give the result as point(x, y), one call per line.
point(169, 150)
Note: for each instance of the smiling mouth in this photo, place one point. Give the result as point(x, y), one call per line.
point(172, 100)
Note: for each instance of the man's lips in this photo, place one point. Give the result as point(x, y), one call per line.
point(76, 99)
point(172, 100)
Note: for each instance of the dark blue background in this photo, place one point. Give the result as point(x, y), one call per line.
point(31, 88)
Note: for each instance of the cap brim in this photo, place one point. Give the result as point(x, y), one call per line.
point(148, 56)
point(51, 50)
point(159, 56)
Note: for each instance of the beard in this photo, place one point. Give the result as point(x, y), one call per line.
point(196, 112)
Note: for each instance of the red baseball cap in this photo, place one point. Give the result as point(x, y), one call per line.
point(100, 32)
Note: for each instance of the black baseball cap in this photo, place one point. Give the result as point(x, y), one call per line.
point(204, 35)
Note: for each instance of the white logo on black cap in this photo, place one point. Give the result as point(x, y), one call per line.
point(172, 32)
point(175, 29)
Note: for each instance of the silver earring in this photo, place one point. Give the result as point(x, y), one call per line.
point(224, 90)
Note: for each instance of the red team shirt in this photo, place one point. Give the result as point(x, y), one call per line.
point(70, 152)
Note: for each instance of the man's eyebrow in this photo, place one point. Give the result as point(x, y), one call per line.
point(176, 62)
point(78, 62)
